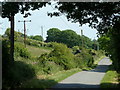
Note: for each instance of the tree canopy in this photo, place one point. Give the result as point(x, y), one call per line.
point(99, 15)
point(12, 8)
point(68, 37)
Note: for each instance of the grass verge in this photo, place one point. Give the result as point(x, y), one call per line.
point(47, 81)
point(110, 80)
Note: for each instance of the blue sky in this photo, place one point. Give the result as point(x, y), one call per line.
point(39, 18)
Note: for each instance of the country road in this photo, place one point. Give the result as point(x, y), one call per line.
point(86, 79)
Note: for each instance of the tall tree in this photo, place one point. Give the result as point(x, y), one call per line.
point(53, 34)
point(10, 9)
point(69, 37)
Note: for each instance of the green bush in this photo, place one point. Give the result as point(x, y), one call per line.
point(17, 74)
point(79, 62)
point(51, 67)
point(61, 56)
point(21, 51)
point(84, 59)
point(87, 57)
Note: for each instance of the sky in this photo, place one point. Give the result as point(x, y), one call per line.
point(39, 18)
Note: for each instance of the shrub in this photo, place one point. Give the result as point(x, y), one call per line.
point(87, 57)
point(21, 50)
point(17, 74)
point(80, 63)
point(61, 56)
point(84, 59)
point(51, 67)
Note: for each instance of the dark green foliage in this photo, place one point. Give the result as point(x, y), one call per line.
point(5, 56)
point(20, 50)
point(68, 37)
point(53, 35)
point(87, 43)
point(22, 7)
point(111, 44)
point(104, 42)
point(16, 74)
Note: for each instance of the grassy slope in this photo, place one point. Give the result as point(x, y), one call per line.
point(110, 79)
point(37, 51)
point(41, 80)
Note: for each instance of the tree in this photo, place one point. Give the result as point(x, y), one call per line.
point(95, 44)
point(53, 34)
point(99, 15)
point(104, 42)
point(9, 9)
point(87, 43)
point(69, 37)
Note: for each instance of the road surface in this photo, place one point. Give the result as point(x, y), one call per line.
point(86, 79)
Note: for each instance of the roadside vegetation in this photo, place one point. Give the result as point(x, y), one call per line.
point(43, 64)
point(110, 79)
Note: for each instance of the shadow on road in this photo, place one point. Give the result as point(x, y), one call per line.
point(100, 69)
point(85, 87)
point(74, 86)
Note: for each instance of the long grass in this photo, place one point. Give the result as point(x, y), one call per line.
point(37, 51)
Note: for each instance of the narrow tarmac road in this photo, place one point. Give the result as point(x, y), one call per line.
point(86, 79)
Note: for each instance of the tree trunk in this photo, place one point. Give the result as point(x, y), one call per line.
point(12, 38)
